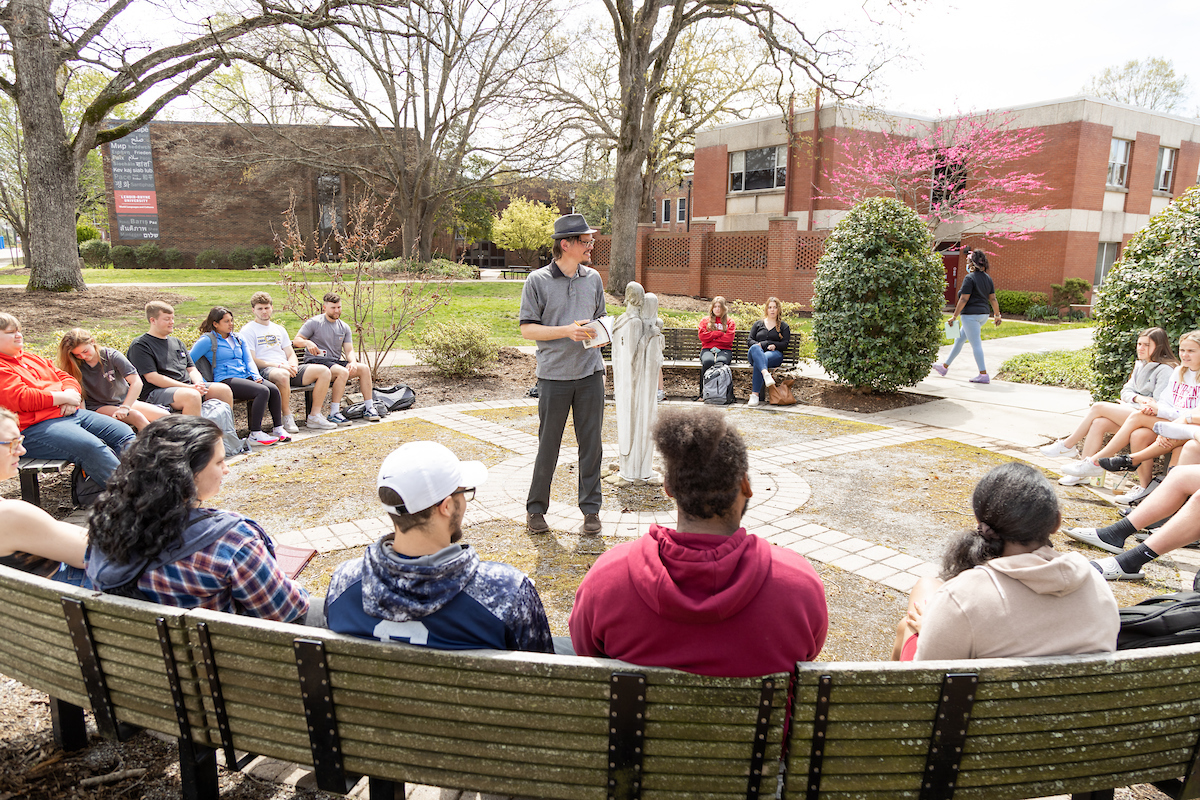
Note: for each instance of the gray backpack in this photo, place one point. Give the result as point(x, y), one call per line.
point(218, 412)
point(718, 385)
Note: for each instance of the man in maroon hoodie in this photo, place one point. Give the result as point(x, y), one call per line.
point(707, 598)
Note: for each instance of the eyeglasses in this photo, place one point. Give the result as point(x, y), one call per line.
point(586, 242)
point(468, 494)
point(15, 445)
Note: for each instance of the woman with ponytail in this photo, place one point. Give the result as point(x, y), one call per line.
point(1004, 591)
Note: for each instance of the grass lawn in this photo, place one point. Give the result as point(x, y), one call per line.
point(167, 276)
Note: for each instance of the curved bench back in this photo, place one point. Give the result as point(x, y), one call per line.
point(996, 728)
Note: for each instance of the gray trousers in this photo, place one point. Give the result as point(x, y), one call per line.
point(584, 400)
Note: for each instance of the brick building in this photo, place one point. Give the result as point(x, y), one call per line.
point(196, 186)
point(1109, 166)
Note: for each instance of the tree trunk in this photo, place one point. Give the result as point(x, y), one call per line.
point(53, 172)
point(627, 203)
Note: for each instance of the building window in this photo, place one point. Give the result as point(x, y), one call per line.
point(682, 216)
point(653, 215)
point(765, 168)
point(1106, 256)
point(1165, 169)
point(1118, 162)
point(667, 213)
point(948, 183)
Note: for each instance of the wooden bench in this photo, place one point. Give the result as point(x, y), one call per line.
point(682, 348)
point(547, 726)
point(30, 469)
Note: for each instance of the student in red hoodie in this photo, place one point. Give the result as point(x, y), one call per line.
point(707, 598)
point(716, 337)
point(48, 404)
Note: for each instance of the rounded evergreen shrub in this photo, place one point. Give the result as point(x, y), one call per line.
point(95, 252)
point(456, 351)
point(149, 256)
point(264, 255)
point(878, 297)
point(1156, 282)
point(85, 232)
point(123, 257)
point(241, 258)
point(210, 259)
point(172, 258)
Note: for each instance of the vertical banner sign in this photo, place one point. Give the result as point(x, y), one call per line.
point(133, 186)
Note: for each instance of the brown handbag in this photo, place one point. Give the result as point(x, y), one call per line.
point(781, 393)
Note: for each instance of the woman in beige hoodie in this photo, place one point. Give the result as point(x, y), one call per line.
point(1004, 591)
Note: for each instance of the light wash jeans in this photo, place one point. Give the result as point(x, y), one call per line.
point(91, 440)
point(762, 359)
point(972, 324)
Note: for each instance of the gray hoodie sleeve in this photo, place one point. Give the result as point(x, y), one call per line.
point(1161, 379)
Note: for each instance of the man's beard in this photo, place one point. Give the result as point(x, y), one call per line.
point(587, 262)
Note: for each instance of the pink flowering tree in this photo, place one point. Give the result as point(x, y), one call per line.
point(963, 175)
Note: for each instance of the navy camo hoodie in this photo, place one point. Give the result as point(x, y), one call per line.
point(450, 600)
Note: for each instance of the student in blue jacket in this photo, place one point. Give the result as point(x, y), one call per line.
point(233, 364)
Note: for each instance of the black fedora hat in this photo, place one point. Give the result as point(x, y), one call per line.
point(571, 225)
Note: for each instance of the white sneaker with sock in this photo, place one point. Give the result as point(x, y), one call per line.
point(289, 424)
point(265, 439)
point(767, 379)
point(753, 401)
point(1056, 449)
point(318, 422)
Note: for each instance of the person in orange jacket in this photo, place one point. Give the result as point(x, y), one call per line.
point(49, 410)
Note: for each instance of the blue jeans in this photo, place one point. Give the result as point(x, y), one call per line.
point(971, 326)
point(91, 440)
point(762, 359)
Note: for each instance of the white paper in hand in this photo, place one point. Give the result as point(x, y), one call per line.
point(953, 329)
point(601, 332)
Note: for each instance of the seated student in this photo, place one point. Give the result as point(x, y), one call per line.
point(233, 366)
point(716, 332)
point(276, 361)
point(110, 384)
point(708, 597)
point(47, 403)
point(30, 539)
point(150, 535)
point(417, 584)
point(1177, 404)
point(1004, 591)
point(769, 339)
point(1176, 495)
point(328, 341)
point(1150, 378)
point(170, 377)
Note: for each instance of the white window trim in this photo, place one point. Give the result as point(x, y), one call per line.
point(737, 164)
point(1119, 167)
point(1165, 168)
point(681, 216)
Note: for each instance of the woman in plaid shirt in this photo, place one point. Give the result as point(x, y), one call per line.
point(150, 536)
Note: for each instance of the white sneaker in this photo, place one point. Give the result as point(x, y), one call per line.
point(289, 424)
point(767, 379)
point(1112, 571)
point(662, 395)
point(265, 439)
point(1071, 480)
point(1133, 495)
point(753, 401)
point(1056, 449)
point(280, 434)
point(319, 422)
point(1083, 469)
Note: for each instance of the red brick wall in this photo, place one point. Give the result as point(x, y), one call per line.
point(1073, 162)
point(1186, 166)
point(1141, 173)
point(711, 165)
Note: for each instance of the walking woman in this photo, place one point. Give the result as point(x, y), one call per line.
point(976, 294)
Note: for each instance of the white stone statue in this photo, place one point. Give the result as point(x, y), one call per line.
point(637, 350)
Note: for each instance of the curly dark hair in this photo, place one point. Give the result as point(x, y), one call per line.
point(145, 507)
point(705, 460)
point(1014, 503)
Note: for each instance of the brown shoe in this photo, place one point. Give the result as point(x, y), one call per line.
point(591, 523)
point(536, 523)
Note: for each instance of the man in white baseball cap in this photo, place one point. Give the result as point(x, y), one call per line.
point(417, 584)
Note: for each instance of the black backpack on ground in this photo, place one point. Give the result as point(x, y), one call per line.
point(395, 398)
point(84, 490)
point(1161, 621)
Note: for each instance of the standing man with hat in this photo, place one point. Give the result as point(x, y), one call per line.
point(555, 300)
point(418, 584)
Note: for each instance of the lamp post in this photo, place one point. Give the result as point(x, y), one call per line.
point(689, 207)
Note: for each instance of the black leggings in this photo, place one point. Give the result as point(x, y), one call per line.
point(261, 396)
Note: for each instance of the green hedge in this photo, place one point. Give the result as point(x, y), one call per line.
point(1015, 302)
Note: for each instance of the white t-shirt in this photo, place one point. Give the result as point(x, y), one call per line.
point(266, 342)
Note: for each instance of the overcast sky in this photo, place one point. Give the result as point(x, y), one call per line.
point(975, 54)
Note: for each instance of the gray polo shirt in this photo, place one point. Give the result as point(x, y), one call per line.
point(551, 298)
